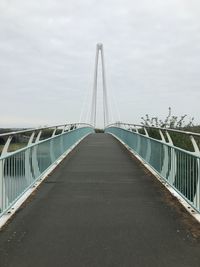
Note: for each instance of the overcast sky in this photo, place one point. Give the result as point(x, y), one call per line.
point(47, 50)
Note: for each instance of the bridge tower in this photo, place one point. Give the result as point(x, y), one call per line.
point(99, 55)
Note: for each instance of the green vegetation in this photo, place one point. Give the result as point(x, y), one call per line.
point(20, 140)
point(176, 123)
point(13, 147)
point(171, 121)
point(97, 130)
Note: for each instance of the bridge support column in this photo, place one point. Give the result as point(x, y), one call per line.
point(99, 51)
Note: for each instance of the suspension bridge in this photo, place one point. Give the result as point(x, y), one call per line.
point(85, 199)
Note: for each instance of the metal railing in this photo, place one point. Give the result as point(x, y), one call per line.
point(36, 152)
point(177, 166)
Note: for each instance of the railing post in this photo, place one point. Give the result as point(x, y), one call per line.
point(146, 132)
point(61, 143)
point(136, 129)
point(173, 169)
point(138, 140)
point(35, 158)
point(197, 192)
point(165, 164)
point(1, 185)
point(6, 146)
point(162, 136)
point(28, 173)
point(63, 130)
point(148, 152)
point(195, 146)
point(197, 195)
point(52, 155)
point(54, 132)
point(4, 197)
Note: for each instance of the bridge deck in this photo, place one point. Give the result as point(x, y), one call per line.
point(99, 208)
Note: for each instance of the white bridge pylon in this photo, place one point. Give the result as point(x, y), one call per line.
point(99, 54)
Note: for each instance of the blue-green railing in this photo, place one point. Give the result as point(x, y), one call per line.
point(20, 169)
point(178, 167)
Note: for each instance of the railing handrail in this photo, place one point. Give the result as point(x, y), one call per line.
point(154, 127)
point(42, 128)
point(161, 142)
point(7, 155)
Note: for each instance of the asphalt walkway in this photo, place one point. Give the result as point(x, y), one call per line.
point(99, 208)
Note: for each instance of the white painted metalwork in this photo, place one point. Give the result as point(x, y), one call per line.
point(6, 146)
point(99, 51)
point(20, 169)
point(196, 152)
point(177, 166)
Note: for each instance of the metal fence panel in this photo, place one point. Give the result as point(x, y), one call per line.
point(178, 167)
point(21, 169)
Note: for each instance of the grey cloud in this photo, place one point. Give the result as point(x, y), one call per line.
point(47, 53)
